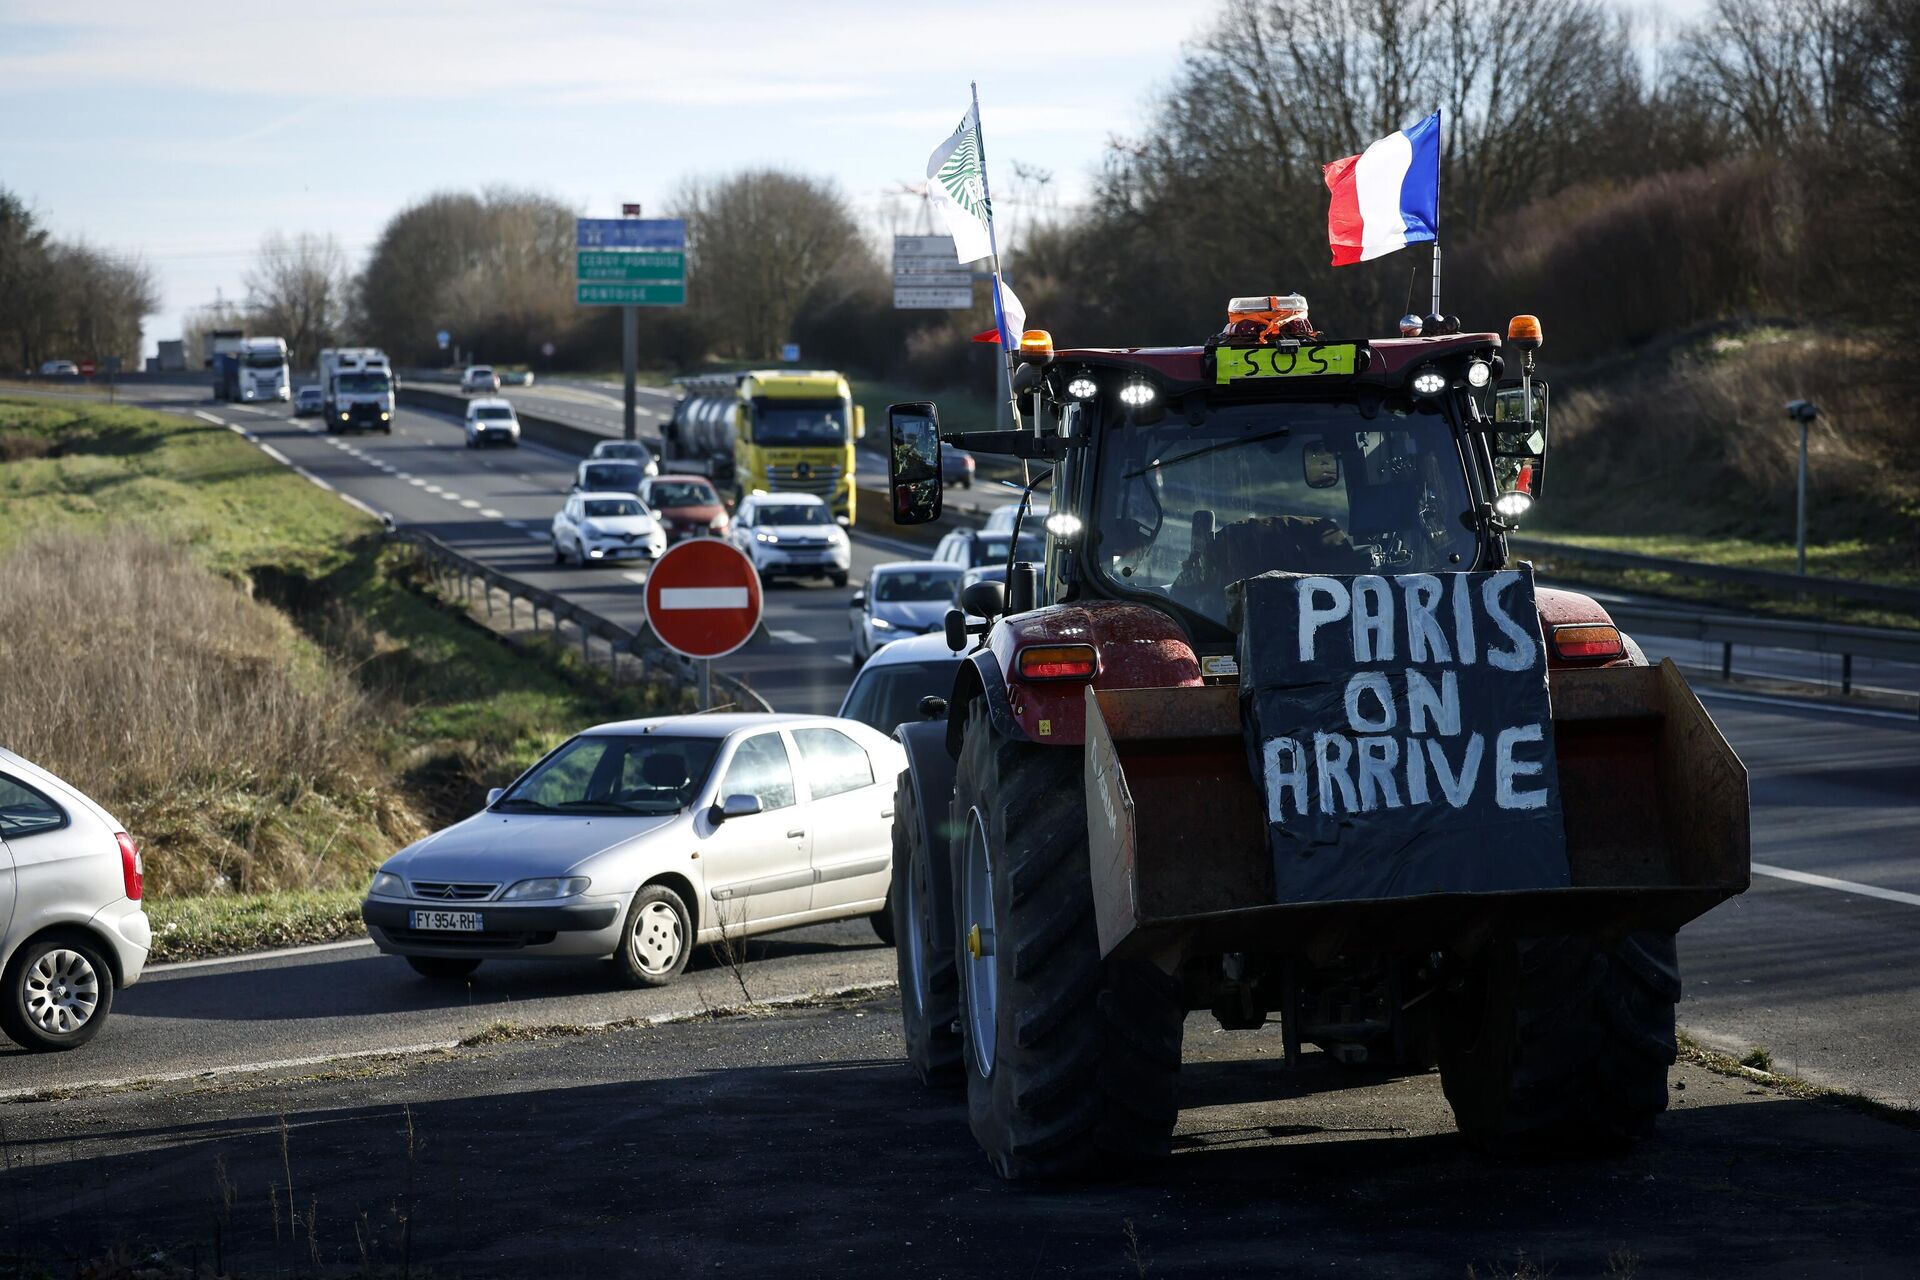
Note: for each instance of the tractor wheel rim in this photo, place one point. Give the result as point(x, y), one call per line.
point(655, 942)
point(62, 992)
point(983, 995)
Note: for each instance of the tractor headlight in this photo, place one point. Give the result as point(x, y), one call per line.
point(1479, 373)
point(1429, 382)
point(1083, 388)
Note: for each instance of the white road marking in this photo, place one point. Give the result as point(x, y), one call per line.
point(1844, 886)
point(414, 480)
point(404, 475)
point(489, 513)
point(433, 488)
point(276, 455)
point(632, 576)
point(208, 418)
point(785, 637)
point(703, 598)
point(448, 494)
point(469, 504)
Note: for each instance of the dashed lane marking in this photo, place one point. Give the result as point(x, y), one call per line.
point(207, 417)
point(434, 488)
point(635, 576)
point(791, 637)
point(469, 504)
point(415, 480)
point(489, 513)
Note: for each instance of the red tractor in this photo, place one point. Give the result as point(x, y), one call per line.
point(1085, 846)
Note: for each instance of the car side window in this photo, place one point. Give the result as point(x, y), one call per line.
point(761, 768)
point(834, 762)
point(25, 812)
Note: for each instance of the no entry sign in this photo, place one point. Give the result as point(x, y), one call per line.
point(703, 598)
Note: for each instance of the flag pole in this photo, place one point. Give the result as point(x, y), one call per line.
point(1007, 340)
point(1436, 277)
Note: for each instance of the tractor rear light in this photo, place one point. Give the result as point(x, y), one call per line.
point(132, 872)
point(1058, 662)
point(1588, 640)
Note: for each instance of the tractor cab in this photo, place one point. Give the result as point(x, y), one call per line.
point(1176, 472)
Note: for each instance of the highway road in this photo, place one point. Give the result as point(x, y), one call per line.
point(1815, 963)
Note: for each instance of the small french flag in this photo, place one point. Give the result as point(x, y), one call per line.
point(1387, 197)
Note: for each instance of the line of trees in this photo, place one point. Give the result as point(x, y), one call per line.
point(65, 301)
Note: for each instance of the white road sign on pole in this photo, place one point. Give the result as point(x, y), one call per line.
point(927, 276)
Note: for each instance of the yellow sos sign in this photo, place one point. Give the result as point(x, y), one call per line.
point(1237, 364)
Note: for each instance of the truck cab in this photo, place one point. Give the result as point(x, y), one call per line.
point(772, 431)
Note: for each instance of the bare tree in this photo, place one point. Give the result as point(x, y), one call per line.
point(297, 289)
point(760, 243)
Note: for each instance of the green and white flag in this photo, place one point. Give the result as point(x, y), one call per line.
point(957, 185)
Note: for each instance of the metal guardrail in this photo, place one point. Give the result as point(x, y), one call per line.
point(654, 658)
point(1730, 629)
point(1787, 584)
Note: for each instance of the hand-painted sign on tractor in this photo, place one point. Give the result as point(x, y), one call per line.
point(1401, 732)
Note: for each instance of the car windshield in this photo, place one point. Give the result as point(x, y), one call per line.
point(634, 451)
point(687, 493)
point(614, 507)
point(611, 475)
point(888, 694)
point(793, 513)
point(1186, 507)
point(265, 360)
point(615, 773)
point(798, 422)
point(916, 585)
point(480, 371)
point(493, 411)
point(990, 550)
point(362, 382)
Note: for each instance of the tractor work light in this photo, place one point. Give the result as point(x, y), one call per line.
point(1063, 524)
point(1058, 662)
point(1083, 387)
point(1479, 373)
point(1587, 640)
point(1513, 504)
point(1137, 393)
point(1429, 382)
point(1036, 344)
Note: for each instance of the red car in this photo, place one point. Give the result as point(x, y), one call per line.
point(688, 506)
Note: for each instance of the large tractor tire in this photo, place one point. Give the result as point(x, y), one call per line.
point(923, 957)
point(1561, 1044)
point(1071, 1062)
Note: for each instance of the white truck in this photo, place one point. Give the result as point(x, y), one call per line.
point(356, 389)
point(255, 370)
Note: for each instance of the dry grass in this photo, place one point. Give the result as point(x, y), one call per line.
point(1703, 447)
point(195, 714)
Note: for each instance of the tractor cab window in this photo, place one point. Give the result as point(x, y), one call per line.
point(1184, 508)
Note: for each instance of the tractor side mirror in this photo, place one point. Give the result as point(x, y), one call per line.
point(1518, 439)
point(913, 462)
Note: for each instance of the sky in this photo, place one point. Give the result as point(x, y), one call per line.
point(187, 133)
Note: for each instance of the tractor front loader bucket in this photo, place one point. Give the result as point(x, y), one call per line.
point(1655, 803)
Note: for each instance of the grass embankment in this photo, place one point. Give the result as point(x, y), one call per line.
point(230, 661)
point(1687, 452)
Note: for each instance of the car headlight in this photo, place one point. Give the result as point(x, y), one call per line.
point(541, 890)
point(386, 885)
point(766, 537)
point(881, 624)
point(343, 415)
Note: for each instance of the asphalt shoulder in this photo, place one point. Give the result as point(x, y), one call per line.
point(795, 1142)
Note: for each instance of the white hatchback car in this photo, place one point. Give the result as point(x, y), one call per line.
point(641, 839)
point(599, 528)
point(479, 377)
point(792, 534)
point(492, 421)
point(71, 925)
point(901, 599)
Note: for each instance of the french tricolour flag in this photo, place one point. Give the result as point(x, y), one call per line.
point(1388, 196)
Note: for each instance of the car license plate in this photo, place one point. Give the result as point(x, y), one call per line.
point(459, 921)
point(1236, 364)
